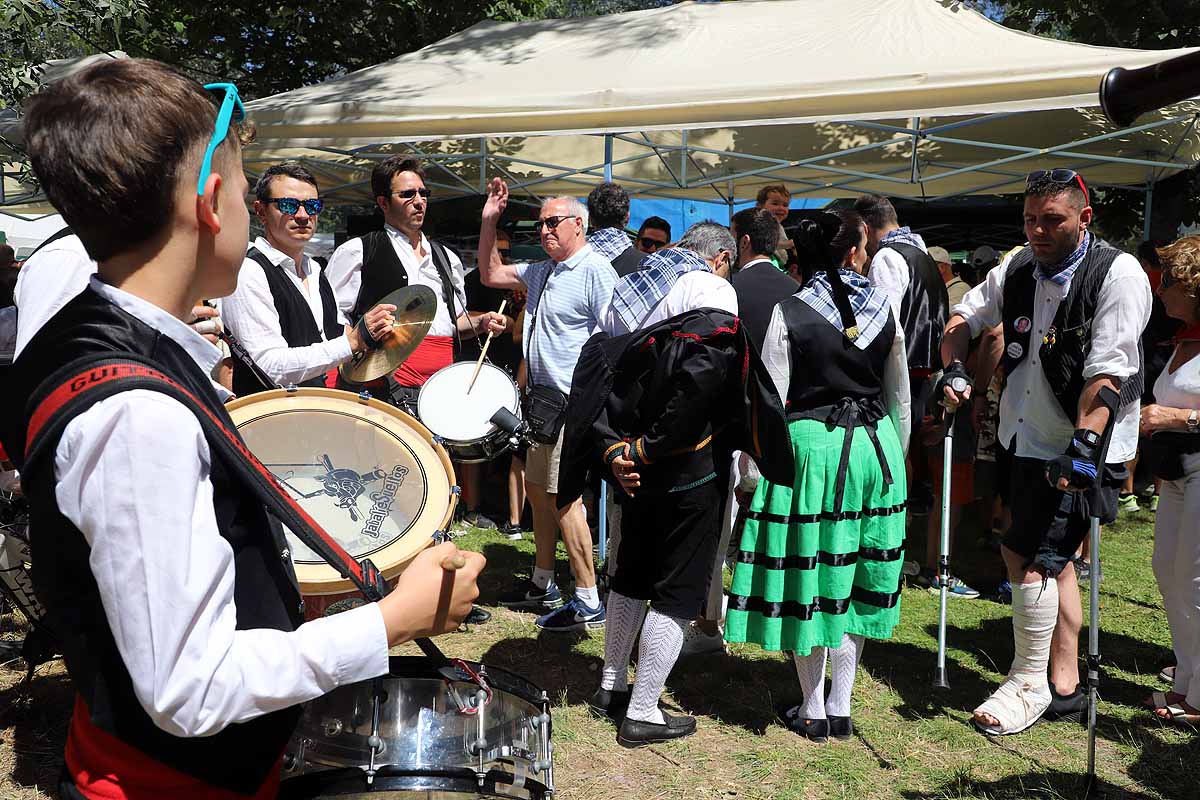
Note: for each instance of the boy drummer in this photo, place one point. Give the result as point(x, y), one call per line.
point(176, 606)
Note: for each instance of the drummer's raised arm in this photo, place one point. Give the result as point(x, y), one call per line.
point(492, 270)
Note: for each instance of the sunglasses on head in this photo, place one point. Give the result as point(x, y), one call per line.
point(231, 110)
point(651, 244)
point(409, 194)
point(1060, 176)
point(552, 222)
point(290, 205)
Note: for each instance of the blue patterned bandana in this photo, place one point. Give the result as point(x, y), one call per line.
point(636, 295)
point(1061, 273)
point(870, 306)
point(904, 236)
point(609, 242)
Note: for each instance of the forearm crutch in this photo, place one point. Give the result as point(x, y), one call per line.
point(959, 385)
point(1111, 400)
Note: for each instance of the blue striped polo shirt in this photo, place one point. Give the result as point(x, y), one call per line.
point(561, 312)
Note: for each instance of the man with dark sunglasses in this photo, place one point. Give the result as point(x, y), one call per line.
point(366, 268)
point(654, 235)
point(1073, 308)
point(283, 310)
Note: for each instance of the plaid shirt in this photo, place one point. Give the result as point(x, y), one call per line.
point(609, 242)
point(1066, 269)
point(639, 292)
point(870, 305)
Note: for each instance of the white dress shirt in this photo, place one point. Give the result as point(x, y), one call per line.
point(777, 357)
point(251, 315)
point(47, 281)
point(133, 476)
point(889, 271)
point(693, 290)
point(1028, 408)
point(345, 276)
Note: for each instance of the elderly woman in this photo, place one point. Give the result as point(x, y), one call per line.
point(1174, 421)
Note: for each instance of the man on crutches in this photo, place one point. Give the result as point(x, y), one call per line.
point(1073, 308)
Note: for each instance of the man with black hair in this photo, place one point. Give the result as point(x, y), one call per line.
point(283, 310)
point(758, 282)
point(654, 235)
point(1073, 308)
point(608, 214)
point(901, 266)
point(365, 269)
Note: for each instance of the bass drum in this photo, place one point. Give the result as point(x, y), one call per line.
point(424, 733)
point(462, 419)
point(368, 473)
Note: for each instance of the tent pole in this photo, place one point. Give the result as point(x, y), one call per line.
point(1147, 209)
point(683, 159)
point(916, 141)
point(483, 157)
point(608, 156)
point(729, 199)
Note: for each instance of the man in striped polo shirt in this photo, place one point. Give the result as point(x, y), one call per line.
point(566, 294)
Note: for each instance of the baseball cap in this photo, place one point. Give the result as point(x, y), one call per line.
point(940, 255)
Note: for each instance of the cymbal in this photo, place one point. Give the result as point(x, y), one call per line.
point(415, 307)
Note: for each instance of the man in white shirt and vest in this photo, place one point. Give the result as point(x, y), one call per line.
point(283, 311)
point(1073, 308)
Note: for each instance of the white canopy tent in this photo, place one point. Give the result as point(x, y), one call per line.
point(911, 98)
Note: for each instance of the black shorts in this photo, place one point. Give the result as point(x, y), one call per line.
point(1048, 525)
point(668, 548)
point(1004, 462)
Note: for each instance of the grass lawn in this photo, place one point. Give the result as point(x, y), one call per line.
point(912, 742)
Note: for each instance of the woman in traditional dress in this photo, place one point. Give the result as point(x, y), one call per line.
point(819, 566)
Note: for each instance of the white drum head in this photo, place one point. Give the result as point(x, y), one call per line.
point(446, 408)
point(366, 472)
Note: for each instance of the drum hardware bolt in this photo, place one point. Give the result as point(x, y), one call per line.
point(300, 607)
point(289, 762)
point(541, 766)
point(377, 744)
point(438, 440)
point(364, 396)
point(285, 554)
point(456, 490)
point(332, 727)
point(291, 388)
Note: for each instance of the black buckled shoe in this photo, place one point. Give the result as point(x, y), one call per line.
point(816, 730)
point(477, 616)
point(609, 704)
point(1067, 707)
point(635, 733)
point(841, 728)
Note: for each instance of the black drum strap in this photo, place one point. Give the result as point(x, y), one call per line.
point(86, 381)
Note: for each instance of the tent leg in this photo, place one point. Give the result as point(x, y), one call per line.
point(608, 156)
point(1147, 209)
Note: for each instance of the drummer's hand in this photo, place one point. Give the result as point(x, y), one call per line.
point(379, 322)
point(497, 200)
point(206, 321)
point(623, 471)
point(952, 399)
point(491, 322)
point(430, 600)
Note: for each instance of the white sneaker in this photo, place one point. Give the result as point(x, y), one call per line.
point(697, 642)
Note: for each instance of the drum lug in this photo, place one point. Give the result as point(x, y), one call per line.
point(456, 490)
point(439, 441)
point(291, 388)
point(364, 396)
point(441, 537)
point(480, 745)
point(332, 727)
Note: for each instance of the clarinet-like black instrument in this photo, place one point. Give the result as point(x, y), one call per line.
point(1125, 94)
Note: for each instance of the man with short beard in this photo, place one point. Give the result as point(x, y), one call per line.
point(1073, 308)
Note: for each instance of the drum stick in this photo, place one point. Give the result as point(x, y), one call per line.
point(486, 345)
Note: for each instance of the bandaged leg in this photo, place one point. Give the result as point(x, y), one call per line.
point(662, 637)
point(1025, 694)
point(624, 619)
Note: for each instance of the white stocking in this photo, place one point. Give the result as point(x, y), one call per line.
point(624, 619)
point(662, 637)
point(810, 669)
point(844, 664)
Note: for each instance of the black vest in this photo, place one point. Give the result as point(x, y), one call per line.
point(384, 273)
point(629, 261)
point(1065, 346)
point(759, 289)
point(826, 366)
point(924, 309)
point(240, 757)
point(296, 321)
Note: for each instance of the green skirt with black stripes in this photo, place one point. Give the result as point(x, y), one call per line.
point(806, 574)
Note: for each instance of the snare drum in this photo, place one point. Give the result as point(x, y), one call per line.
point(16, 583)
point(463, 420)
point(462, 731)
point(368, 473)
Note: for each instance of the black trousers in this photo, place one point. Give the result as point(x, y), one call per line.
point(668, 547)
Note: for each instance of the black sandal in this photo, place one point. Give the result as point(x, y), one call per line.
point(816, 730)
point(841, 728)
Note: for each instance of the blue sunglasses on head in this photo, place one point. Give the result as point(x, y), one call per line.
point(231, 110)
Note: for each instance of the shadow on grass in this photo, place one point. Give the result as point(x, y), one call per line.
point(37, 714)
point(1050, 785)
point(551, 662)
point(1171, 769)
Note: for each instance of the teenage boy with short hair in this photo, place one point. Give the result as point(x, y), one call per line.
point(169, 587)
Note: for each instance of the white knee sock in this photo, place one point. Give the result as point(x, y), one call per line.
point(810, 669)
point(1035, 611)
point(844, 665)
point(624, 619)
point(662, 637)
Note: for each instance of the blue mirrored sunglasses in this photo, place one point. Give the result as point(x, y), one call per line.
point(290, 205)
point(231, 110)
